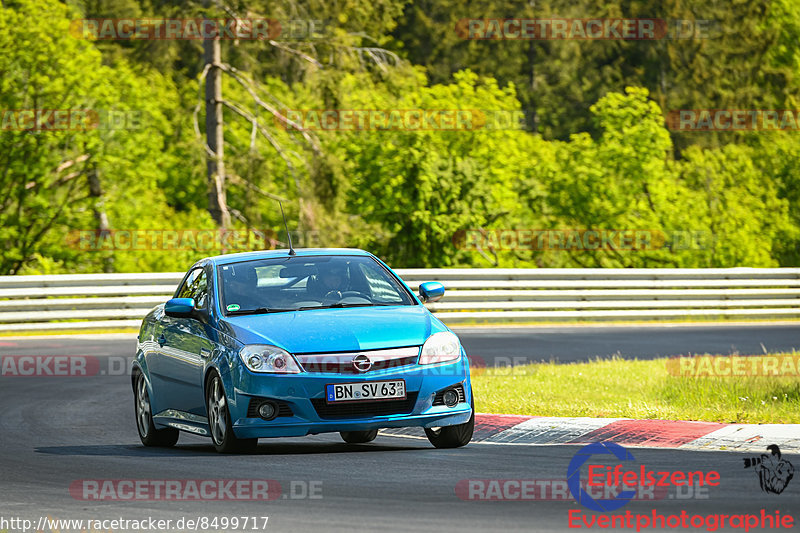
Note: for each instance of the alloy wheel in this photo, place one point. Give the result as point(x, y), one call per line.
point(217, 412)
point(142, 407)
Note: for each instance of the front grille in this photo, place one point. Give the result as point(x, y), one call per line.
point(252, 409)
point(346, 367)
point(342, 362)
point(439, 398)
point(364, 409)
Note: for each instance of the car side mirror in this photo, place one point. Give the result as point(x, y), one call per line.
point(431, 291)
point(179, 307)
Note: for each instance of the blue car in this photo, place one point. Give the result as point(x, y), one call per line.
point(290, 343)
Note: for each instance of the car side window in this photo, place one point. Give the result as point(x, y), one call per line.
point(195, 286)
point(186, 289)
point(200, 290)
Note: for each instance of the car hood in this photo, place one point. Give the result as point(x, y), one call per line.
point(336, 330)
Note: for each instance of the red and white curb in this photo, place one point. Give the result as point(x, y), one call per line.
point(712, 436)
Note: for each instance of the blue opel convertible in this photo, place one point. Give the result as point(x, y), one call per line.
point(286, 343)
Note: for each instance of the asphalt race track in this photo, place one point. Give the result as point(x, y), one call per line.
point(515, 345)
point(56, 431)
point(569, 344)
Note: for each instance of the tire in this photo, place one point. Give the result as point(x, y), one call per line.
point(359, 437)
point(219, 421)
point(453, 436)
point(148, 434)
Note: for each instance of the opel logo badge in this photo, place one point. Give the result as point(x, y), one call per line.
point(362, 363)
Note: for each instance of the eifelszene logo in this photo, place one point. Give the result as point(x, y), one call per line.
point(774, 472)
point(574, 476)
point(621, 477)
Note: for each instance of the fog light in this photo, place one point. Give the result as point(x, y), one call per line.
point(267, 411)
point(450, 398)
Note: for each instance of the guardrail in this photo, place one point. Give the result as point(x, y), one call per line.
point(99, 301)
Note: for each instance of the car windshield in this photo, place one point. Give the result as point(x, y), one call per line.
point(299, 283)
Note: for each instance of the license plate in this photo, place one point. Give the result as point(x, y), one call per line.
point(370, 390)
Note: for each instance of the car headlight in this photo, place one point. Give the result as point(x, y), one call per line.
point(440, 348)
point(264, 358)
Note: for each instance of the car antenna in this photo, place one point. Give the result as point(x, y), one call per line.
point(288, 235)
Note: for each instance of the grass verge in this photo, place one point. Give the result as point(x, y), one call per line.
point(636, 389)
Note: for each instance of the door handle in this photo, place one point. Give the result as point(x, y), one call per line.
point(162, 340)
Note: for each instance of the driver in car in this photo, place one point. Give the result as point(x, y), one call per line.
point(331, 282)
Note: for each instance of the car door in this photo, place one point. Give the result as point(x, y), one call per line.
point(160, 366)
point(186, 347)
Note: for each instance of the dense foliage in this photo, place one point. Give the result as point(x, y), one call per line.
point(592, 151)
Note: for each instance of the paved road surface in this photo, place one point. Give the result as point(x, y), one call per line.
point(56, 431)
point(525, 344)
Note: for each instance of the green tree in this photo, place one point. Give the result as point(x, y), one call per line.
point(419, 188)
point(51, 176)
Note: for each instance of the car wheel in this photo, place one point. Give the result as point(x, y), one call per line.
point(359, 437)
point(453, 436)
point(149, 435)
point(219, 421)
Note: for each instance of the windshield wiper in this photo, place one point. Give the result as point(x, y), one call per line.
point(259, 311)
point(264, 310)
point(344, 305)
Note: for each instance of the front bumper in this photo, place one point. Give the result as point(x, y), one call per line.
point(298, 391)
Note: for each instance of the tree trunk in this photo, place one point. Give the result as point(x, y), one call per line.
point(100, 216)
point(532, 121)
point(217, 202)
